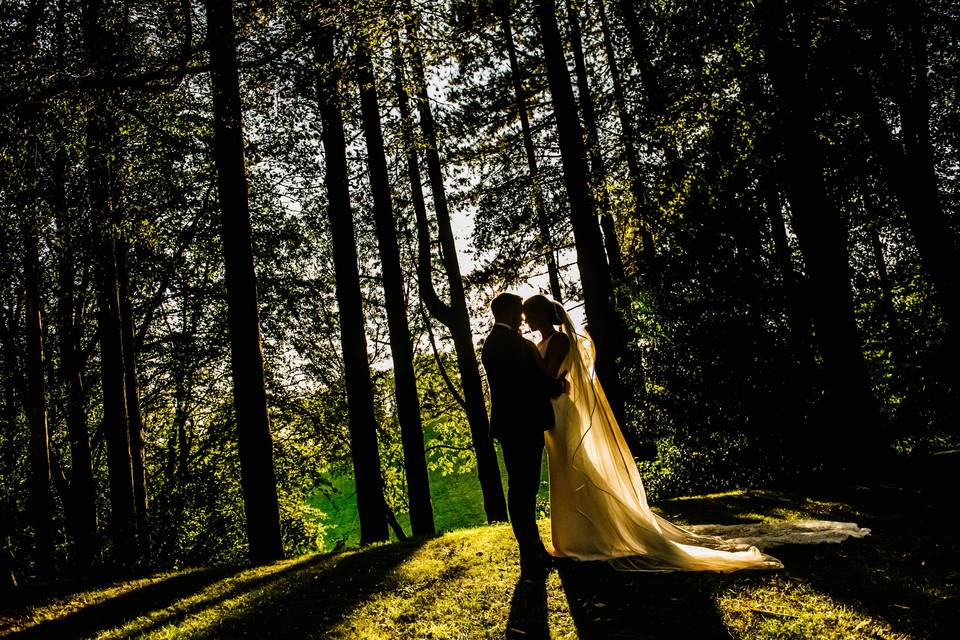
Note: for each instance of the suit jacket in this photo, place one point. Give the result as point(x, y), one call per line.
point(520, 388)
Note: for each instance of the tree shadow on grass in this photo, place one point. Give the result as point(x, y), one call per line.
point(315, 600)
point(904, 573)
point(303, 599)
point(605, 603)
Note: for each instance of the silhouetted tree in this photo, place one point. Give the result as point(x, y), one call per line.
point(254, 442)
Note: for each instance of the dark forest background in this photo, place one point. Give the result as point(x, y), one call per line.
point(755, 203)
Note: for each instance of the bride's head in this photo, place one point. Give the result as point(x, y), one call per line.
point(542, 313)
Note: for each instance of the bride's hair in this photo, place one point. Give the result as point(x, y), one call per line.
point(542, 305)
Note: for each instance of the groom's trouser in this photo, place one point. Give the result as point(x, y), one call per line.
point(522, 459)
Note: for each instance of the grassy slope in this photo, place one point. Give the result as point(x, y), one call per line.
point(899, 583)
point(457, 503)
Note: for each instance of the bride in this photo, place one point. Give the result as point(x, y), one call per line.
point(598, 507)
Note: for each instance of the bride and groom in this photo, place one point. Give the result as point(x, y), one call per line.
point(547, 395)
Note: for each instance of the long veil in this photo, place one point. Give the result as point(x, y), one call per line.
point(608, 491)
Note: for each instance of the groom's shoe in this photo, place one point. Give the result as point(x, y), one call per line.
point(534, 570)
point(535, 566)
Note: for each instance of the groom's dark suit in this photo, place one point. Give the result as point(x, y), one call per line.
point(520, 411)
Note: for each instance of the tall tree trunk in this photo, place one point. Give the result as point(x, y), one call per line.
point(134, 416)
point(255, 445)
point(115, 428)
point(8, 576)
point(823, 239)
point(908, 165)
point(790, 286)
point(34, 400)
point(34, 388)
point(604, 324)
point(652, 90)
point(100, 175)
point(81, 508)
point(611, 241)
point(886, 293)
point(371, 506)
point(401, 343)
point(539, 206)
point(629, 140)
point(455, 315)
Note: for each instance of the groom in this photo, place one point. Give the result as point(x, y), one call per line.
point(520, 411)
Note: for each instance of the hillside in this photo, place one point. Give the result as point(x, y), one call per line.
point(465, 585)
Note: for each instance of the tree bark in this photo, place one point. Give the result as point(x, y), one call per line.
point(401, 342)
point(101, 140)
point(254, 442)
point(604, 324)
point(34, 400)
point(455, 315)
point(598, 168)
point(909, 168)
point(789, 284)
point(371, 506)
point(539, 206)
point(823, 239)
point(81, 508)
point(629, 139)
point(134, 417)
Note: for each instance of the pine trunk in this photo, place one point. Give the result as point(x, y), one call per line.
point(598, 167)
point(134, 417)
point(539, 206)
point(456, 316)
point(642, 214)
point(401, 342)
point(81, 508)
point(371, 506)
point(254, 442)
point(34, 400)
point(604, 324)
point(823, 242)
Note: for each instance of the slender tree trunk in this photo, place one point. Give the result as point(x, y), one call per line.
point(629, 140)
point(34, 388)
point(823, 239)
point(371, 505)
point(134, 416)
point(401, 343)
point(456, 315)
point(598, 167)
point(82, 506)
point(255, 445)
point(8, 576)
point(653, 92)
point(34, 400)
point(119, 462)
point(937, 242)
point(790, 286)
point(886, 293)
point(539, 206)
point(604, 324)
point(909, 168)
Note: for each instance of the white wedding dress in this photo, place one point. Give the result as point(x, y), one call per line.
point(598, 507)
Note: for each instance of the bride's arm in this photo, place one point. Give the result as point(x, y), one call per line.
point(557, 350)
point(541, 377)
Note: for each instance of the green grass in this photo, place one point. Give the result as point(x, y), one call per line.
point(901, 582)
point(456, 498)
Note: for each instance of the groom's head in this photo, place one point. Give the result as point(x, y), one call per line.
point(508, 309)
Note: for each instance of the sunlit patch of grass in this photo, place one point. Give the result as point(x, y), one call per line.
point(464, 585)
point(457, 586)
point(781, 608)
